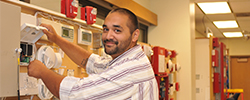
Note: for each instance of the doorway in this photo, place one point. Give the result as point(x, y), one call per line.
point(240, 71)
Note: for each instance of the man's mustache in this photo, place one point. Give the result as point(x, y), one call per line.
point(115, 42)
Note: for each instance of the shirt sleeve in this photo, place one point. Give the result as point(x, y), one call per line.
point(66, 86)
point(97, 64)
point(94, 87)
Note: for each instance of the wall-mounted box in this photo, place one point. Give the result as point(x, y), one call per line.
point(158, 60)
point(84, 37)
point(215, 42)
point(216, 83)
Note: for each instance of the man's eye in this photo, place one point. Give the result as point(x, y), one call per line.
point(117, 30)
point(105, 29)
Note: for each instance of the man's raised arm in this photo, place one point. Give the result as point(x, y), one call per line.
point(76, 53)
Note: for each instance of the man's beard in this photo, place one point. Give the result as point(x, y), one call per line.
point(113, 51)
point(118, 49)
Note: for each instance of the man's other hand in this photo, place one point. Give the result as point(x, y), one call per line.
point(36, 69)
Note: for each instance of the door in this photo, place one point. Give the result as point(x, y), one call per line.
point(240, 71)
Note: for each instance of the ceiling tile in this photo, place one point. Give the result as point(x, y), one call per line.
point(244, 23)
point(231, 30)
point(218, 17)
point(238, 6)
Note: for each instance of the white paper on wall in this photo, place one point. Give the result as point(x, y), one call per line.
point(28, 85)
point(162, 64)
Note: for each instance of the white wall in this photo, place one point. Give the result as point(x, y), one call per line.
point(237, 46)
point(176, 30)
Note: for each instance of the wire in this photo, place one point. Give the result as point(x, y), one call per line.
point(33, 52)
point(18, 51)
point(46, 15)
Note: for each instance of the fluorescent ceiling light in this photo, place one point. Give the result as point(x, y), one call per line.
point(214, 7)
point(232, 34)
point(226, 24)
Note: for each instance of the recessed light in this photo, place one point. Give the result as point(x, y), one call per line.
point(226, 24)
point(214, 7)
point(232, 34)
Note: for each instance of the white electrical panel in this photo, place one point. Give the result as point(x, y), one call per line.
point(68, 32)
point(31, 33)
point(28, 27)
point(84, 37)
point(9, 42)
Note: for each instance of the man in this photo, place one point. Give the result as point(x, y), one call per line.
point(129, 76)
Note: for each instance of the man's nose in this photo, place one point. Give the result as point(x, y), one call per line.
point(110, 34)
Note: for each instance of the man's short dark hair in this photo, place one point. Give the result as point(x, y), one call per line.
point(133, 24)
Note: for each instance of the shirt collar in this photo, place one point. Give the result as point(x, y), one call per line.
point(127, 53)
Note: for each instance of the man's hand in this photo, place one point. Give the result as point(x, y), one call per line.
point(51, 79)
point(51, 33)
point(36, 69)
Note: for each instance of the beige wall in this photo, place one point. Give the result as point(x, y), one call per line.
point(173, 32)
point(54, 5)
point(144, 3)
point(176, 31)
point(199, 35)
point(237, 46)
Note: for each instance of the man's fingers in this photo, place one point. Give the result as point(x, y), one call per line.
point(45, 31)
point(44, 25)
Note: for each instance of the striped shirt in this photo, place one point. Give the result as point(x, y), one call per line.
point(128, 77)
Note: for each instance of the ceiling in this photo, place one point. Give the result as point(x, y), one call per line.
point(240, 12)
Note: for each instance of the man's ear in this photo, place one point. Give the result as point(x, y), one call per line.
point(135, 34)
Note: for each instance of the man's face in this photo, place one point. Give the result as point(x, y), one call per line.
point(116, 35)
